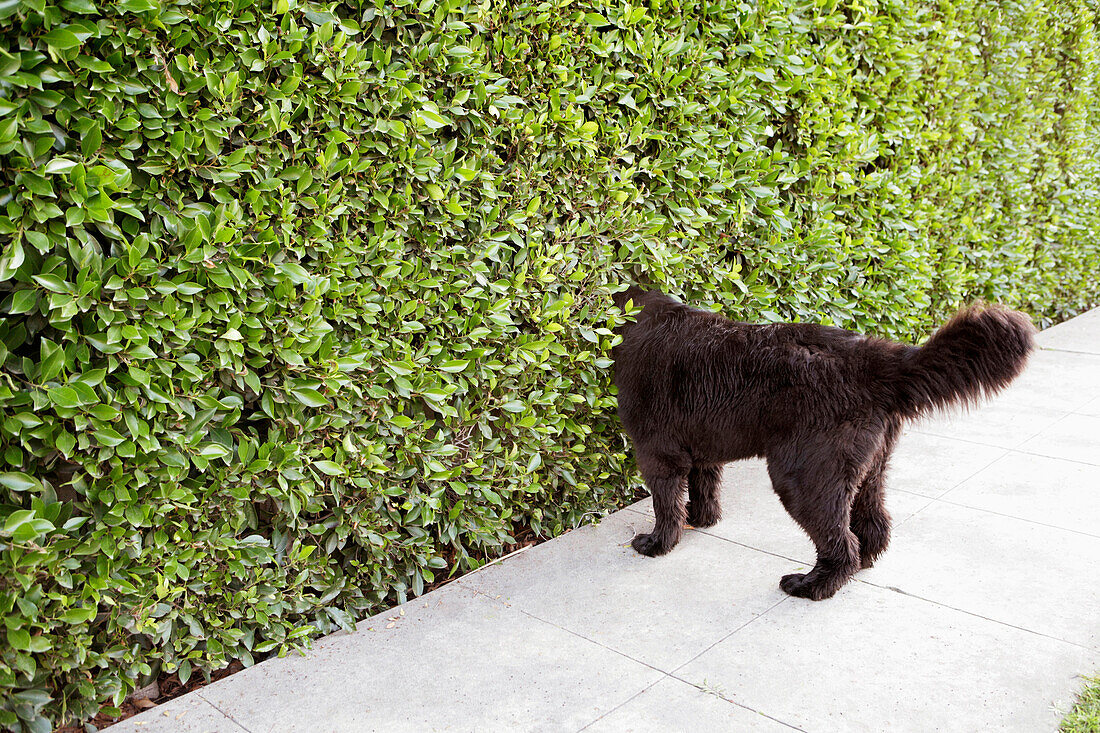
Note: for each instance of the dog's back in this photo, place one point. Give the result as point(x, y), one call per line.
point(729, 390)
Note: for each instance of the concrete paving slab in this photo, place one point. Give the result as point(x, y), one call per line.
point(931, 465)
point(875, 660)
point(1080, 334)
point(1000, 423)
point(661, 611)
point(1017, 572)
point(187, 714)
point(1049, 491)
point(1073, 438)
point(1060, 380)
point(674, 706)
point(456, 661)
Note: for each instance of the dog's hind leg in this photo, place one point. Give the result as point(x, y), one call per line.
point(703, 508)
point(820, 501)
point(870, 521)
point(664, 475)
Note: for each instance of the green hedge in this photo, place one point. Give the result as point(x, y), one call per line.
point(305, 307)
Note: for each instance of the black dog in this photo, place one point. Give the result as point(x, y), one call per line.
point(824, 406)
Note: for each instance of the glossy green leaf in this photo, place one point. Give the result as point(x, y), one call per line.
point(60, 38)
point(18, 481)
point(309, 397)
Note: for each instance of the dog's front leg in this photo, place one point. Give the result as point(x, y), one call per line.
point(665, 476)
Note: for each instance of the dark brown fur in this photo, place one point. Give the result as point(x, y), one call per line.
point(824, 406)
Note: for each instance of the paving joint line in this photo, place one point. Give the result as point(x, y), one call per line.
point(968, 411)
point(959, 483)
point(1069, 351)
point(727, 636)
point(1014, 446)
point(1057, 458)
point(198, 694)
point(895, 589)
point(931, 500)
point(670, 674)
point(480, 592)
point(763, 613)
point(662, 672)
point(1040, 431)
point(718, 694)
point(750, 547)
point(1019, 519)
point(947, 436)
point(624, 702)
point(1087, 404)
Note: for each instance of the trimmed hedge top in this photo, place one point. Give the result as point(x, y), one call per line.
point(306, 307)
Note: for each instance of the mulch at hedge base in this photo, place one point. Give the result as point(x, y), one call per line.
point(169, 687)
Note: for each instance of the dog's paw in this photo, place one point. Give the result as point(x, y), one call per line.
point(700, 517)
point(649, 545)
point(796, 584)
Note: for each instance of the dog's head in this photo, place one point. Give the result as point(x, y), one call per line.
point(634, 293)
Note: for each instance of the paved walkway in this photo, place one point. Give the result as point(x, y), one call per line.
point(980, 616)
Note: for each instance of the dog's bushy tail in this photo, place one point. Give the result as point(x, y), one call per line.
point(975, 354)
